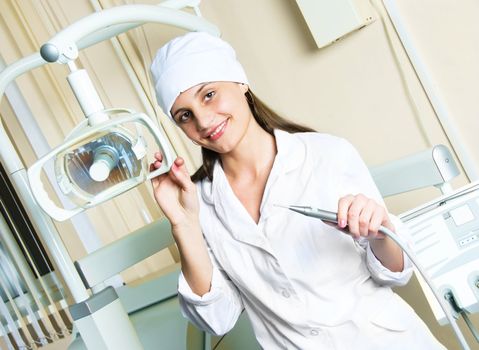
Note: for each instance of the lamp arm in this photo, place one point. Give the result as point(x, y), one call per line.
point(63, 46)
point(106, 24)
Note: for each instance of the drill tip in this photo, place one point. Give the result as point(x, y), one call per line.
point(282, 206)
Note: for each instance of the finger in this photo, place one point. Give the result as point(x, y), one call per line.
point(179, 162)
point(345, 230)
point(343, 208)
point(155, 165)
point(158, 156)
point(180, 175)
point(155, 181)
point(376, 222)
point(353, 215)
point(157, 161)
point(377, 219)
point(365, 218)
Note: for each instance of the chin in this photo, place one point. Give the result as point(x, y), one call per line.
point(222, 148)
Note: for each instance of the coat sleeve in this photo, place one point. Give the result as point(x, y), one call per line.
point(215, 312)
point(356, 179)
point(381, 274)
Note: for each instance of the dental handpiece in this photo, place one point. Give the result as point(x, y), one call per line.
point(327, 216)
point(332, 217)
point(320, 214)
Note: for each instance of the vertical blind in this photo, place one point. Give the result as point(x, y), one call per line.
point(32, 299)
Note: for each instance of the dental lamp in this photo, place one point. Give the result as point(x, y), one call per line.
point(105, 155)
point(102, 157)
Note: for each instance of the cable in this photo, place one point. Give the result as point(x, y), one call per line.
point(440, 299)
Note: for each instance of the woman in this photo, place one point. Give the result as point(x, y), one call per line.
point(303, 284)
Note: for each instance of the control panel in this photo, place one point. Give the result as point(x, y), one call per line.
point(445, 239)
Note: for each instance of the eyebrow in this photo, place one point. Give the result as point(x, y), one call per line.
point(201, 88)
point(196, 94)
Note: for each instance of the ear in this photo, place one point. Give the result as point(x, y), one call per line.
point(244, 87)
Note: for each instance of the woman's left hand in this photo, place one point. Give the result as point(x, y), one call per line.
point(363, 216)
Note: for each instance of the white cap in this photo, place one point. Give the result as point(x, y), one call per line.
point(189, 60)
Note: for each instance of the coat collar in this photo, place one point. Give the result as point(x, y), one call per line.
point(290, 155)
point(291, 151)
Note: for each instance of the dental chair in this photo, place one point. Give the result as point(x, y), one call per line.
point(152, 306)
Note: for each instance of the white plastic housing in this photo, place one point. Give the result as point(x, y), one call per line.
point(329, 20)
point(87, 96)
point(81, 135)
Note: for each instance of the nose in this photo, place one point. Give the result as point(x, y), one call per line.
point(204, 120)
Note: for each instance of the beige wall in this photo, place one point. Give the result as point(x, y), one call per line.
point(353, 88)
point(444, 34)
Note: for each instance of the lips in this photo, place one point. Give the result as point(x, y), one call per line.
point(217, 132)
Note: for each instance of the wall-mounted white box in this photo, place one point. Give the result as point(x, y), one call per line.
point(329, 20)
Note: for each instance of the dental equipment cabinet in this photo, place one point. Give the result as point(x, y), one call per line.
point(105, 156)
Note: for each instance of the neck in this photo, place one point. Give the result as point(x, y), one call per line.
point(253, 156)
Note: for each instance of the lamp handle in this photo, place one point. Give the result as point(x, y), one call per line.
point(42, 197)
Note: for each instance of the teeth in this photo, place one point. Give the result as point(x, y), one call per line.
point(218, 129)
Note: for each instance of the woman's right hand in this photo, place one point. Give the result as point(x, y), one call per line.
point(175, 193)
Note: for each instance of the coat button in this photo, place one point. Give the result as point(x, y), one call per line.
point(314, 332)
point(285, 293)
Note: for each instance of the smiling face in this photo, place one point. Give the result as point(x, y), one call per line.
point(215, 115)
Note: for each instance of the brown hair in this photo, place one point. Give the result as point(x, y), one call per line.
point(265, 117)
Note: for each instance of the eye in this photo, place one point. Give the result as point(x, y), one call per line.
point(209, 95)
point(184, 117)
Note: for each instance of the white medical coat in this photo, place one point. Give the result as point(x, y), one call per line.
point(303, 284)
